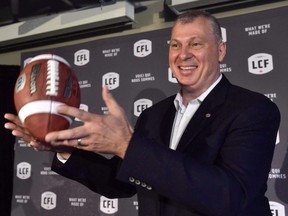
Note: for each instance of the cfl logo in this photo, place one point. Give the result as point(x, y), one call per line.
point(48, 200)
point(82, 57)
point(277, 209)
point(111, 80)
point(224, 34)
point(171, 77)
point(140, 105)
point(142, 48)
point(23, 170)
point(260, 63)
point(108, 206)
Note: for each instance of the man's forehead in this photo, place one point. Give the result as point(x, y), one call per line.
point(195, 25)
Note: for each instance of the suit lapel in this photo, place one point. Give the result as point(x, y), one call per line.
point(167, 124)
point(205, 113)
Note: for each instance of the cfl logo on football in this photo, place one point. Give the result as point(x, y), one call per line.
point(23, 170)
point(260, 63)
point(142, 48)
point(111, 80)
point(48, 200)
point(171, 77)
point(20, 83)
point(108, 206)
point(140, 105)
point(277, 209)
point(82, 57)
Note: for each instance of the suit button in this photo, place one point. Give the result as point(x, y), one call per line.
point(149, 187)
point(137, 182)
point(131, 179)
point(143, 184)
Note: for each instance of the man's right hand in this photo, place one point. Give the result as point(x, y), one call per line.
point(18, 130)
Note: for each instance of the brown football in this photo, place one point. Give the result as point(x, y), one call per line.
point(46, 82)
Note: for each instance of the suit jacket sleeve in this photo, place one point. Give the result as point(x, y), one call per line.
point(95, 172)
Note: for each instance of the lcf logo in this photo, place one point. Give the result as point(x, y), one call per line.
point(82, 57)
point(260, 63)
point(142, 48)
point(48, 200)
point(23, 170)
point(111, 80)
point(108, 206)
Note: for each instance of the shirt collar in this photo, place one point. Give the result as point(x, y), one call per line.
point(178, 101)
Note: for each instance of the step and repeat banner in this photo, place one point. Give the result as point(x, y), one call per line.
point(135, 67)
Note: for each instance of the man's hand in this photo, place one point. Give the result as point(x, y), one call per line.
point(18, 130)
point(108, 133)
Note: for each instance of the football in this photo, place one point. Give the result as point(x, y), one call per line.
point(46, 82)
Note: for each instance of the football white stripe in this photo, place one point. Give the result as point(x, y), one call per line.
point(40, 106)
point(49, 56)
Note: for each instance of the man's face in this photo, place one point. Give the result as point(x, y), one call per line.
point(194, 55)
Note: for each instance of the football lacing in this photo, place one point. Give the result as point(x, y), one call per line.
point(52, 78)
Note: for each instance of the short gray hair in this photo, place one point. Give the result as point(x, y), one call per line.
point(190, 16)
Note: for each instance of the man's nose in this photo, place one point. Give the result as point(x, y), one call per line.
point(185, 53)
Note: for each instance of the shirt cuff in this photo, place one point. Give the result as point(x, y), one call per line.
point(60, 158)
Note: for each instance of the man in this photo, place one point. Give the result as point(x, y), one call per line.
point(206, 151)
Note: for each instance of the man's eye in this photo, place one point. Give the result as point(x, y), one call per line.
point(174, 45)
point(196, 45)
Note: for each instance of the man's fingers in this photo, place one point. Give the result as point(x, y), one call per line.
point(12, 118)
point(52, 137)
point(69, 134)
point(109, 100)
point(17, 130)
point(10, 126)
point(9, 116)
point(74, 112)
point(20, 133)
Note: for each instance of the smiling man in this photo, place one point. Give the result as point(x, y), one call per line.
point(205, 151)
point(196, 48)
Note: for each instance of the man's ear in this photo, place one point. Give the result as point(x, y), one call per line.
point(222, 51)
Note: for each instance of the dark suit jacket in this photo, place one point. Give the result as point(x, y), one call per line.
point(220, 167)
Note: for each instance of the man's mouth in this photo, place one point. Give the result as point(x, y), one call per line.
point(187, 67)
